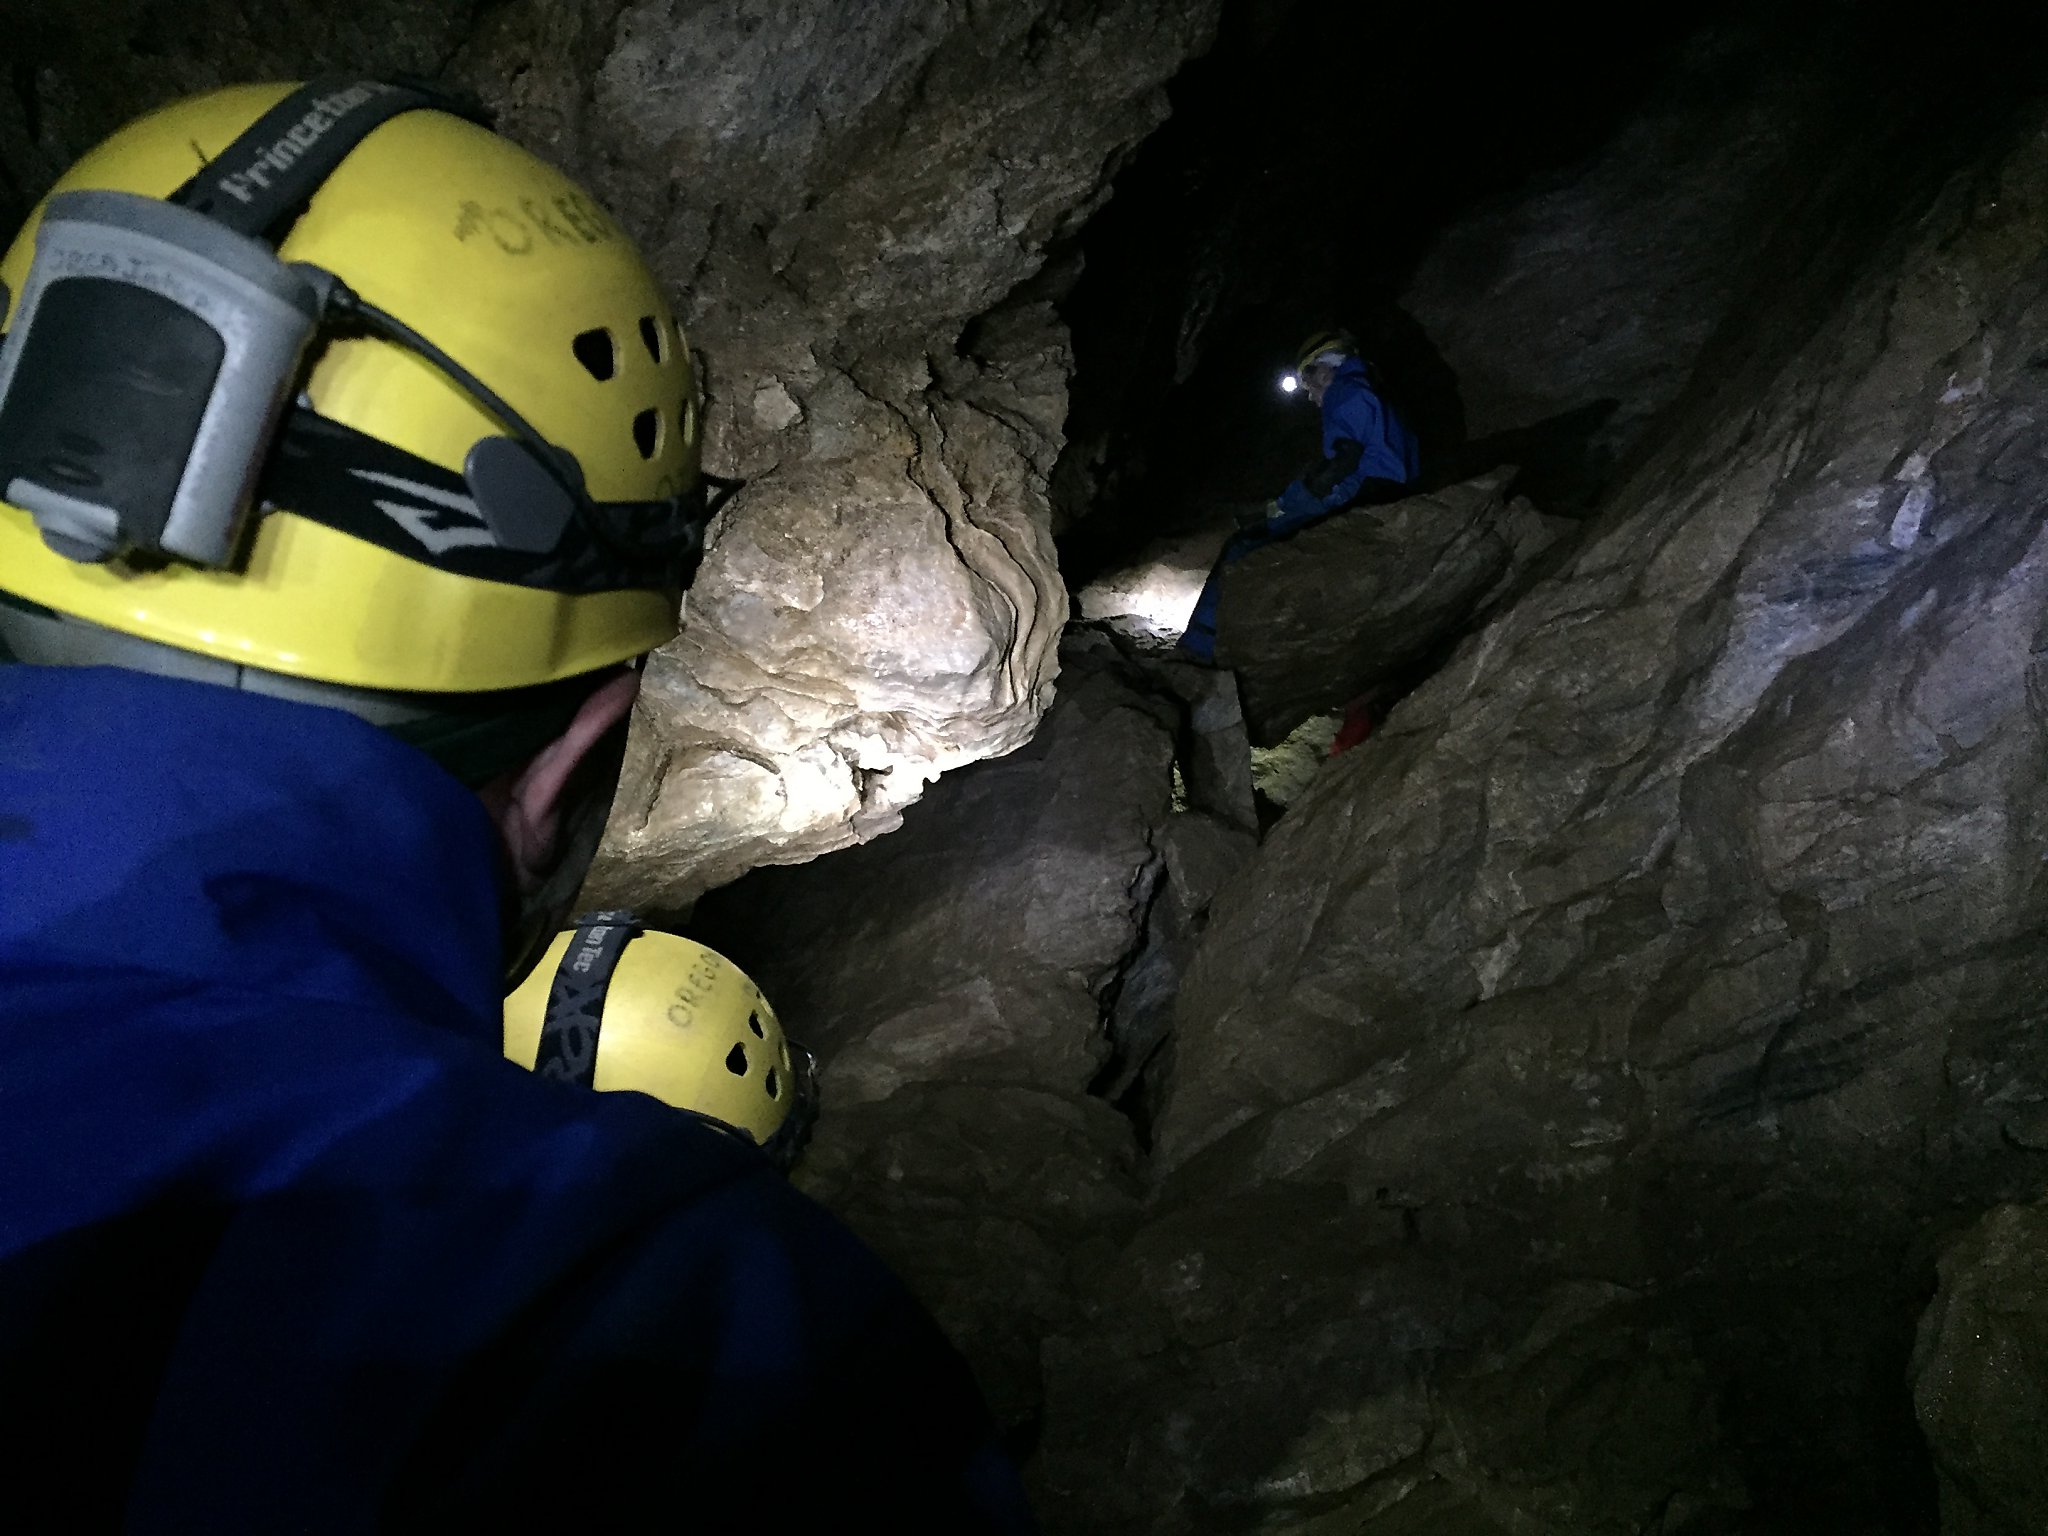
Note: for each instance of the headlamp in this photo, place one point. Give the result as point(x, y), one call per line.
point(1289, 383)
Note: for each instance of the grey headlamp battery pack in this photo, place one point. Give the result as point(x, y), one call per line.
point(150, 358)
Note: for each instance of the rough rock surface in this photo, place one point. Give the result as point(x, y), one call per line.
point(1980, 1376)
point(1345, 605)
point(1325, 1381)
point(987, 1199)
point(851, 203)
point(1151, 596)
point(969, 979)
point(977, 943)
point(864, 623)
point(1686, 932)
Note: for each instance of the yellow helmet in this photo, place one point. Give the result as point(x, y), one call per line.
point(442, 441)
point(1323, 342)
point(613, 1005)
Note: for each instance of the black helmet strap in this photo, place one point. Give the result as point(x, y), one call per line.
point(575, 1011)
point(259, 184)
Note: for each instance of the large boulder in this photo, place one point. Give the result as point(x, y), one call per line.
point(978, 943)
point(1349, 603)
point(980, 985)
point(1980, 1376)
point(863, 623)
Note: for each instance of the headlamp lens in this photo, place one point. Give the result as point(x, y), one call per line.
point(1289, 383)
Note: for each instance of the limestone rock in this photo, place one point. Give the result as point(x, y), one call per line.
point(1291, 1345)
point(961, 982)
point(1196, 855)
point(1980, 1376)
point(1293, 1360)
point(1215, 758)
point(1574, 312)
point(864, 622)
point(853, 202)
point(1314, 621)
point(1152, 596)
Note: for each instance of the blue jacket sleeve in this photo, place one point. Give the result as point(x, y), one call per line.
point(1353, 419)
point(1356, 422)
point(834, 1395)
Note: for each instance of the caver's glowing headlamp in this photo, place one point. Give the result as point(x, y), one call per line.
point(1289, 383)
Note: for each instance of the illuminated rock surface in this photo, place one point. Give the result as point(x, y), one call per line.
point(851, 198)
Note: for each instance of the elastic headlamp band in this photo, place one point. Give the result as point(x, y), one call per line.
point(575, 1008)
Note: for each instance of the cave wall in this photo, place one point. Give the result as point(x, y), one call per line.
point(852, 205)
point(1568, 1103)
point(1686, 934)
point(1353, 165)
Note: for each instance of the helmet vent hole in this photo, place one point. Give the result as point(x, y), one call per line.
point(597, 353)
point(736, 1061)
point(647, 433)
point(652, 334)
point(774, 1085)
point(754, 1023)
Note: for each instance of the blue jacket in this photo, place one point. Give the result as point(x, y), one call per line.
point(285, 1244)
point(1363, 439)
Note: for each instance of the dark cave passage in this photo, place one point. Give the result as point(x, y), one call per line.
point(1544, 229)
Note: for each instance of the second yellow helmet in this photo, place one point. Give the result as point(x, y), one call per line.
point(615, 1006)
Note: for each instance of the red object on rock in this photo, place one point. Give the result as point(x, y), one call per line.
point(1359, 719)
